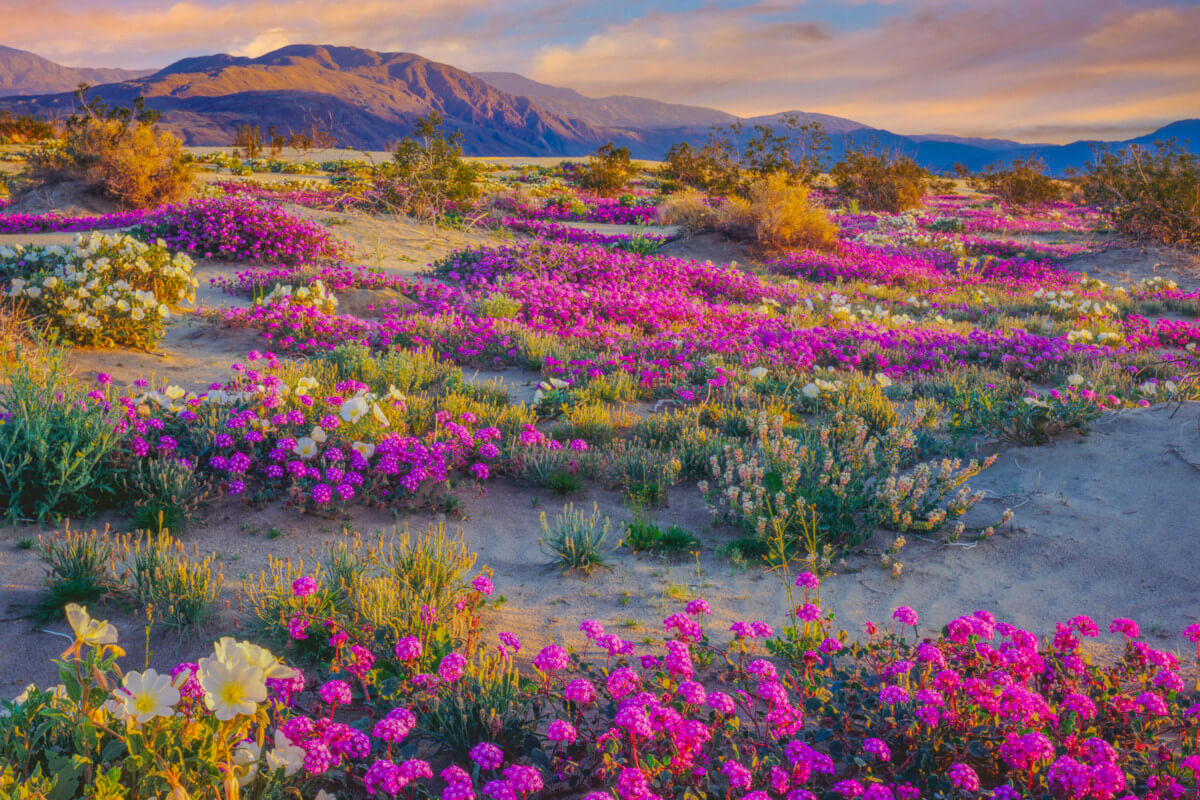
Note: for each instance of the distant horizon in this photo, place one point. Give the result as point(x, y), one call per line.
point(1025, 70)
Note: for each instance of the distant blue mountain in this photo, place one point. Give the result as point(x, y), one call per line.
point(370, 100)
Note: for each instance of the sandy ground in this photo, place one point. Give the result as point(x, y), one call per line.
point(1105, 524)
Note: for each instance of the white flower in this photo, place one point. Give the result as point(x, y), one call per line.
point(232, 689)
point(1074, 379)
point(318, 435)
point(305, 447)
point(354, 409)
point(811, 390)
point(285, 755)
point(148, 695)
point(363, 449)
point(758, 373)
point(245, 757)
point(883, 380)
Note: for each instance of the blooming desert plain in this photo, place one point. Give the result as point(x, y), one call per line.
point(782, 465)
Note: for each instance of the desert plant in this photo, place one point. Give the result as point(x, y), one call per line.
point(880, 181)
point(183, 591)
point(24, 128)
point(778, 216)
point(607, 171)
point(428, 173)
point(1153, 195)
point(55, 444)
point(485, 705)
point(1023, 183)
point(119, 153)
point(689, 210)
point(79, 568)
point(576, 541)
point(642, 535)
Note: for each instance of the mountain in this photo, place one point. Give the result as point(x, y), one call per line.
point(369, 99)
point(618, 111)
point(22, 72)
point(365, 98)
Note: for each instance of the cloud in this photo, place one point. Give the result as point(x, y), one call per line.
point(988, 67)
point(982, 68)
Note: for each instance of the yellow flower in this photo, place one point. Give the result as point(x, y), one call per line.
point(148, 695)
point(232, 689)
point(87, 630)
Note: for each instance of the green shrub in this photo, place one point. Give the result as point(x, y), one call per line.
point(166, 493)
point(55, 444)
point(484, 705)
point(577, 541)
point(642, 535)
point(428, 174)
point(1153, 195)
point(880, 181)
point(79, 568)
point(1023, 183)
point(607, 171)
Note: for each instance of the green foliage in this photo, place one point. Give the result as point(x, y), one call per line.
point(183, 591)
point(105, 289)
point(485, 705)
point(55, 444)
point(576, 540)
point(880, 181)
point(607, 171)
point(166, 492)
point(1023, 183)
point(730, 160)
point(79, 569)
point(1152, 194)
point(642, 535)
point(428, 172)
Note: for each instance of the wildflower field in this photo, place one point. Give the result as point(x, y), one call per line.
point(537, 498)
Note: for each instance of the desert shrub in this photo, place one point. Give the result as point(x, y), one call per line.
point(1023, 183)
point(778, 216)
point(833, 483)
point(576, 541)
point(79, 568)
point(54, 445)
point(1153, 195)
point(103, 290)
point(183, 591)
point(486, 704)
point(691, 211)
point(880, 181)
point(642, 535)
point(428, 174)
point(24, 128)
point(642, 472)
point(240, 229)
point(166, 492)
point(607, 171)
point(119, 153)
point(730, 160)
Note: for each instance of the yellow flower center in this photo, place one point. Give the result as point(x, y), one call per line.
point(144, 702)
point(232, 694)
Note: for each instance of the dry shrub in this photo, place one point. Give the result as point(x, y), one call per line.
point(778, 216)
point(881, 181)
point(137, 165)
point(689, 210)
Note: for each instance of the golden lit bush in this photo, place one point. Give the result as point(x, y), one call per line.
point(136, 164)
point(778, 216)
point(689, 210)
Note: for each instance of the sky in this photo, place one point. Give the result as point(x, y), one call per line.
point(1045, 71)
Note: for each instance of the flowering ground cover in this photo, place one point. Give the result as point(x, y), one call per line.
point(816, 405)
